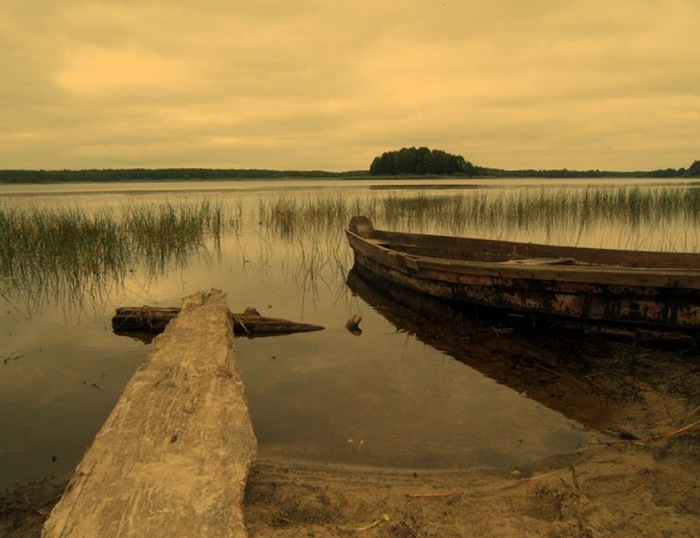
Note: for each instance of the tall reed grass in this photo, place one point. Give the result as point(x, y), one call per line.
point(71, 253)
point(541, 214)
point(309, 228)
point(160, 235)
point(68, 253)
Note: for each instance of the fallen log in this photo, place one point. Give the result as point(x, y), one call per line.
point(151, 320)
point(174, 455)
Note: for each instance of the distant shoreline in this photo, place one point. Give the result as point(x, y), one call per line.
point(217, 174)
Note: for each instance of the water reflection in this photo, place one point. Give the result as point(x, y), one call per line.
point(383, 398)
point(80, 249)
point(70, 255)
point(552, 367)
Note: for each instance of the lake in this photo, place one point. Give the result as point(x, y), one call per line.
point(386, 398)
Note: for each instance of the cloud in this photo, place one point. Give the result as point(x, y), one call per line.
point(95, 72)
point(318, 84)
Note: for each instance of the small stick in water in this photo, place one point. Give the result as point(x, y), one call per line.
point(353, 325)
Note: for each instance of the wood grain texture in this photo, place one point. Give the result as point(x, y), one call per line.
point(173, 457)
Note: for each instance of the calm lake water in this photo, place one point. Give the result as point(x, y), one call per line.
point(384, 398)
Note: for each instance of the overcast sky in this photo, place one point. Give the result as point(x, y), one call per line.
point(322, 84)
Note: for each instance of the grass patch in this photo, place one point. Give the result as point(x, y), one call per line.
point(566, 215)
point(69, 252)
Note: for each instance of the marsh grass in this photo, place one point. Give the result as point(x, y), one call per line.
point(541, 214)
point(289, 216)
point(68, 253)
point(311, 226)
point(542, 210)
point(161, 235)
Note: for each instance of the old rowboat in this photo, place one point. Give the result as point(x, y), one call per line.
point(659, 289)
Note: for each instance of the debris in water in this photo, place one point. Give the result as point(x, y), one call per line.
point(353, 325)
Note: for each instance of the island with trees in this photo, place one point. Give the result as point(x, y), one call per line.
point(421, 161)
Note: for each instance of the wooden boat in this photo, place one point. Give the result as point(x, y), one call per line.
point(659, 289)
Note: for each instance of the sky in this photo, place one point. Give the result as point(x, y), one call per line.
point(329, 85)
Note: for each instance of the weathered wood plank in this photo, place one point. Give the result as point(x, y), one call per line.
point(173, 457)
point(154, 319)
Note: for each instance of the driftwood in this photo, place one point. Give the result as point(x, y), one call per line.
point(150, 320)
point(174, 455)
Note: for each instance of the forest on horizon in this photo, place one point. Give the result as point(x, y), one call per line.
point(404, 163)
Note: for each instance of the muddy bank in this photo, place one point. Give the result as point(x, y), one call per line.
point(622, 490)
point(639, 478)
point(24, 508)
point(626, 490)
point(645, 487)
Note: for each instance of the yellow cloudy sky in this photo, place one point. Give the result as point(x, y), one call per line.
point(321, 84)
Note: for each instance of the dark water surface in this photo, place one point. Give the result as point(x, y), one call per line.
point(383, 398)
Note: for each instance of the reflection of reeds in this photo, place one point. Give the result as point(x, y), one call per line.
point(311, 226)
point(167, 233)
point(546, 214)
point(68, 252)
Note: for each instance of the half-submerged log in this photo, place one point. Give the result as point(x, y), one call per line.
point(153, 320)
point(174, 455)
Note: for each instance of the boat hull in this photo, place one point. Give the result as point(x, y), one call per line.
point(656, 296)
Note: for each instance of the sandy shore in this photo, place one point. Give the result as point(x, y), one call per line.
point(620, 489)
point(616, 486)
point(619, 486)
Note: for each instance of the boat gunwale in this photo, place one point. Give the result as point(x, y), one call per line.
point(661, 289)
point(672, 278)
point(457, 248)
point(391, 236)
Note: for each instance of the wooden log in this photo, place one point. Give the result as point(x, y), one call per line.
point(153, 320)
point(173, 457)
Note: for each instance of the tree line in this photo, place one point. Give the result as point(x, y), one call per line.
point(423, 161)
point(692, 171)
point(409, 161)
point(160, 174)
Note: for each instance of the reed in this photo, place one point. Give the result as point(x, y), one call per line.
point(543, 214)
point(564, 215)
point(288, 215)
point(69, 253)
point(169, 233)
